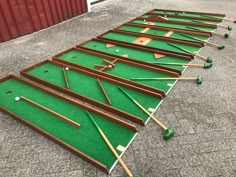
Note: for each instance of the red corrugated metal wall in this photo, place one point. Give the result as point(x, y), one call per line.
point(20, 17)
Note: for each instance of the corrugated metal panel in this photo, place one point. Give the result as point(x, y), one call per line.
point(20, 17)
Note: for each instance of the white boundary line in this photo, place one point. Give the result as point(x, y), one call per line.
point(113, 166)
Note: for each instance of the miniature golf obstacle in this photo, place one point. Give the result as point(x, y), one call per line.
point(168, 132)
point(48, 110)
point(220, 47)
point(198, 79)
point(110, 145)
point(220, 26)
point(207, 59)
point(224, 19)
point(104, 92)
point(225, 35)
point(205, 65)
point(65, 77)
point(109, 63)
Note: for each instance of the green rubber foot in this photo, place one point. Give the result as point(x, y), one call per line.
point(207, 65)
point(230, 28)
point(209, 60)
point(199, 80)
point(168, 133)
point(220, 47)
point(226, 35)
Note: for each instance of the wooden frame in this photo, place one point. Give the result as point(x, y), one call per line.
point(186, 17)
point(155, 19)
point(199, 33)
point(179, 11)
point(125, 60)
point(55, 139)
point(100, 75)
point(167, 39)
point(184, 56)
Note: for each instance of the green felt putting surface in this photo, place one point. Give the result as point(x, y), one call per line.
point(185, 14)
point(86, 138)
point(134, 54)
point(170, 25)
point(182, 19)
point(161, 44)
point(87, 86)
point(120, 69)
point(158, 32)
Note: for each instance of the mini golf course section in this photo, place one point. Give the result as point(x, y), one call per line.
point(83, 141)
point(112, 83)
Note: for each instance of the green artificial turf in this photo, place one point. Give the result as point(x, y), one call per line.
point(185, 14)
point(134, 54)
point(86, 139)
point(170, 25)
point(87, 86)
point(158, 32)
point(120, 69)
point(161, 44)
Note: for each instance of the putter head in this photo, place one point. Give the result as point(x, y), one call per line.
point(168, 133)
point(209, 60)
point(230, 28)
point(207, 65)
point(220, 47)
point(235, 21)
point(199, 80)
point(226, 35)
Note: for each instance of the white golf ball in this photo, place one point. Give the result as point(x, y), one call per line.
point(67, 68)
point(117, 51)
point(17, 98)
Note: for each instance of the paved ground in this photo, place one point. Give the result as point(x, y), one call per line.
point(203, 116)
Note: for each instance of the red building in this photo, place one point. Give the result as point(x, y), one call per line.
point(21, 17)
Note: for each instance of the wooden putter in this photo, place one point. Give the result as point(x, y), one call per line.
point(225, 35)
point(220, 47)
point(220, 26)
point(104, 92)
point(205, 65)
point(65, 76)
point(48, 110)
point(198, 79)
point(168, 132)
point(225, 19)
point(110, 146)
point(207, 59)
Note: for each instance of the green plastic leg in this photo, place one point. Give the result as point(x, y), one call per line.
point(199, 80)
point(220, 47)
point(207, 65)
point(226, 35)
point(168, 133)
point(230, 28)
point(209, 60)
